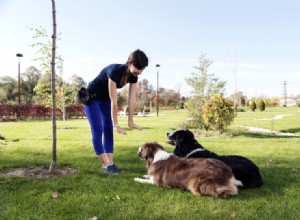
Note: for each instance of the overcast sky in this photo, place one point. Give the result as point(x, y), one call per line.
point(254, 43)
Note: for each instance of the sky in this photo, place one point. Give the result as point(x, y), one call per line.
point(254, 44)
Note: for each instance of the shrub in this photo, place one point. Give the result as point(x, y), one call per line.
point(261, 105)
point(218, 113)
point(252, 105)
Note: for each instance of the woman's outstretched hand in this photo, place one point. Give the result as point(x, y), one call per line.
point(119, 130)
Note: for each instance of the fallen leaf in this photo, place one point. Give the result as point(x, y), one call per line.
point(232, 214)
point(54, 194)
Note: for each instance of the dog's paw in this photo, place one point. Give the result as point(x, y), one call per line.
point(146, 176)
point(136, 179)
point(140, 180)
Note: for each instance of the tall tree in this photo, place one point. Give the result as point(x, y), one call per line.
point(144, 91)
point(8, 90)
point(29, 80)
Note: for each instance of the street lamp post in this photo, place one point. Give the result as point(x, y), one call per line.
point(19, 55)
point(157, 95)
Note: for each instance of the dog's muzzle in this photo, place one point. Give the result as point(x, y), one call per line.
point(139, 153)
point(170, 137)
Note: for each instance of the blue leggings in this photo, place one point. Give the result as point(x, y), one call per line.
point(99, 117)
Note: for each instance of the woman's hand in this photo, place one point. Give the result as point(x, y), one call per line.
point(119, 130)
point(134, 126)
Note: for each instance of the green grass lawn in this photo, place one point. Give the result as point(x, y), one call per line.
point(90, 193)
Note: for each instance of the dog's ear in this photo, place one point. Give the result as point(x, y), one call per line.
point(180, 137)
point(149, 149)
point(189, 134)
point(145, 151)
point(184, 136)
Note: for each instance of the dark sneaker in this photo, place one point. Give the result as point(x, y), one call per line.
point(119, 170)
point(112, 169)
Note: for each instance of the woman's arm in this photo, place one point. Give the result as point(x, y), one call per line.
point(131, 104)
point(112, 89)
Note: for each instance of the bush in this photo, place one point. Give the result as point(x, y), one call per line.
point(252, 105)
point(261, 105)
point(218, 113)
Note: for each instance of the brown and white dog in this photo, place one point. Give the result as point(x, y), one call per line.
point(201, 176)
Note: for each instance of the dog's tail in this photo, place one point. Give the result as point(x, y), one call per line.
point(211, 188)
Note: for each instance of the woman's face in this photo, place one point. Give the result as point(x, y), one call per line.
point(134, 71)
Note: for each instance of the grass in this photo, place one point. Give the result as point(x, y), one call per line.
point(90, 193)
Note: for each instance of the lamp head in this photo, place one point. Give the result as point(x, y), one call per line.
point(157, 66)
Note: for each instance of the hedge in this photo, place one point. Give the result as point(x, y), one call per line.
point(37, 112)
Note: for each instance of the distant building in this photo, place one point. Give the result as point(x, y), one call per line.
point(289, 102)
point(239, 99)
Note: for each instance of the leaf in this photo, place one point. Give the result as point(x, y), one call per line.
point(54, 194)
point(232, 214)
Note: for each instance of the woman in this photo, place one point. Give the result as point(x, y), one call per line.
point(102, 113)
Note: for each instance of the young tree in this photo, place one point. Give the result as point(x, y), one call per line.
point(54, 156)
point(43, 89)
point(204, 85)
point(44, 58)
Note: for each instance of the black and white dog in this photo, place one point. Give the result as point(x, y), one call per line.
point(201, 176)
point(243, 169)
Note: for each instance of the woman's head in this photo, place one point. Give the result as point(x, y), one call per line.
point(137, 61)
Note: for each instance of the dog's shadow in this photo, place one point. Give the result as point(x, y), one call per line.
point(276, 181)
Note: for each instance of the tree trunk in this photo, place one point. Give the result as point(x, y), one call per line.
point(53, 163)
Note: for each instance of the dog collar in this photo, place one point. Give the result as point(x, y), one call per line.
point(194, 151)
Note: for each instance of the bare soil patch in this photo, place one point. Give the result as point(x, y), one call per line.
point(40, 172)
